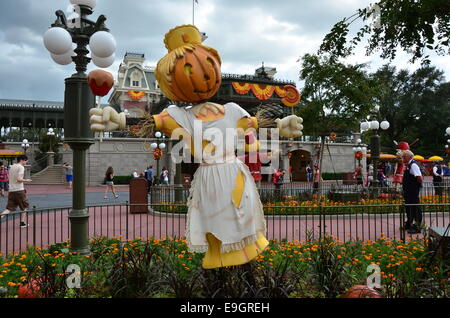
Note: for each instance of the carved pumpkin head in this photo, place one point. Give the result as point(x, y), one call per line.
point(361, 291)
point(190, 72)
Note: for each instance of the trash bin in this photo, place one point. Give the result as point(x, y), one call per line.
point(138, 195)
point(348, 178)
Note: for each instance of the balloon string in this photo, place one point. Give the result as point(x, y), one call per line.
point(99, 106)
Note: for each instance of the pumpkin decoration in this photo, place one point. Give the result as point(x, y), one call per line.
point(190, 72)
point(100, 82)
point(29, 290)
point(136, 95)
point(157, 154)
point(333, 136)
point(361, 291)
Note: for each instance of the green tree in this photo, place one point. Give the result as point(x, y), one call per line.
point(412, 25)
point(335, 96)
point(45, 144)
point(417, 105)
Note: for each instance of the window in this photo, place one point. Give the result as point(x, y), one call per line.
point(136, 84)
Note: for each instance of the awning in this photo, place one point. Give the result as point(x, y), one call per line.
point(436, 158)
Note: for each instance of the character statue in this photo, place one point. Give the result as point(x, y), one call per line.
point(398, 175)
point(225, 216)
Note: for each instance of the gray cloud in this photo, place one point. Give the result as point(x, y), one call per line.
point(245, 32)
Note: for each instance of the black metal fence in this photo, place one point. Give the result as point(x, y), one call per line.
point(160, 220)
point(328, 191)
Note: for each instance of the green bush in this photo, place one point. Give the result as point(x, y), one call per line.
point(333, 176)
point(121, 179)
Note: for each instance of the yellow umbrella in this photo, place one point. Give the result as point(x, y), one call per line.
point(436, 158)
point(418, 157)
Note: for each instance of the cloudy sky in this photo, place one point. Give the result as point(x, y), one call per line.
point(245, 32)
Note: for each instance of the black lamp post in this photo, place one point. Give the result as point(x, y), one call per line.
point(25, 145)
point(359, 150)
point(157, 148)
point(447, 146)
point(375, 144)
point(78, 98)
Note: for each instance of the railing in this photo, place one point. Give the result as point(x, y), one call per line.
point(329, 191)
point(162, 220)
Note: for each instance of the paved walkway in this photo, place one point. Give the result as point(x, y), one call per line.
point(59, 196)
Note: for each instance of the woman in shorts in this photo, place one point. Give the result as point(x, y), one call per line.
point(109, 176)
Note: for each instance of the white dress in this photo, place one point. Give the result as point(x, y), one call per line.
point(210, 205)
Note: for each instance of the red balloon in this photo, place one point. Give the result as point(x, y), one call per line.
point(100, 82)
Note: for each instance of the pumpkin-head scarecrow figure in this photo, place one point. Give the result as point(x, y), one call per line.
point(225, 215)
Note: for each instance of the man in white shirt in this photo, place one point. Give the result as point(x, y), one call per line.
point(438, 174)
point(17, 196)
point(412, 182)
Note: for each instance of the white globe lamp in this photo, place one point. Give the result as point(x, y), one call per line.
point(384, 124)
point(88, 3)
point(57, 41)
point(103, 62)
point(374, 124)
point(102, 44)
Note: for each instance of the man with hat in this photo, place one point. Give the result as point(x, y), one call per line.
point(412, 182)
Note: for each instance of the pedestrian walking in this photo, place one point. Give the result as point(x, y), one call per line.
point(164, 178)
point(17, 196)
point(149, 177)
point(359, 176)
point(412, 182)
point(4, 181)
point(438, 174)
point(309, 173)
point(68, 171)
point(109, 177)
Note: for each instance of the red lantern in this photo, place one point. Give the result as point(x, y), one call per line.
point(100, 82)
point(29, 290)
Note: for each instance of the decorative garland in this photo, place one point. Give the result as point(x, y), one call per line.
point(262, 92)
point(281, 92)
point(136, 95)
point(241, 88)
point(289, 94)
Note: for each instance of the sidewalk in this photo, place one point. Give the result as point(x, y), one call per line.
point(61, 189)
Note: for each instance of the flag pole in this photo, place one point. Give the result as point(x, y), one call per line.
point(193, 12)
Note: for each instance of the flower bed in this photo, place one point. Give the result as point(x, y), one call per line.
point(165, 268)
point(291, 206)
